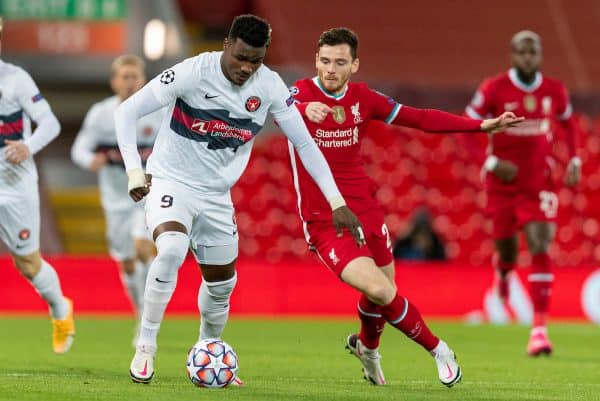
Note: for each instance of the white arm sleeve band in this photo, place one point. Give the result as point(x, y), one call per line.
point(141, 103)
point(47, 129)
point(313, 160)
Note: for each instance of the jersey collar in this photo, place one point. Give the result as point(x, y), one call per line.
point(514, 78)
point(317, 82)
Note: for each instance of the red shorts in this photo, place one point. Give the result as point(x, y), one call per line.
point(336, 252)
point(511, 211)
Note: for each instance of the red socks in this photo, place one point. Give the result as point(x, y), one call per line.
point(540, 288)
point(371, 322)
point(405, 317)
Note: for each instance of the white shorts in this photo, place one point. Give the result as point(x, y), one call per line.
point(122, 228)
point(20, 223)
point(208, 219)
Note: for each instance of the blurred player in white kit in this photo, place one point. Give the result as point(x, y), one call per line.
point(21, 102)
point(96, 149)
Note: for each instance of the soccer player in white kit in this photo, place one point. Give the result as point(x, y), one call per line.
point(218, 102)
point(96, 149)
point(20, 101)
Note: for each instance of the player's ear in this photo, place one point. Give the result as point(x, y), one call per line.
point(317, 59)
point(355, 64)
point(226, 43)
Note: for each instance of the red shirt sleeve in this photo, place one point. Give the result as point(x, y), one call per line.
point(430, 120)
point(383, 107)
point(564, 114)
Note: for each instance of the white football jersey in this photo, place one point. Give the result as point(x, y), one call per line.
point(206, 138)
point(20, 101)
point(98, 135)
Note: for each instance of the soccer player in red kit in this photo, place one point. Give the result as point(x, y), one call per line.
point(336, 113)
point(519, 185)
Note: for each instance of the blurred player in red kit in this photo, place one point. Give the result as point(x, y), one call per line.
point(336, 113)
point(519, 185)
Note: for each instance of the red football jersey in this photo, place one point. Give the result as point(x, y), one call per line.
point(339, 137)
point(528, 145)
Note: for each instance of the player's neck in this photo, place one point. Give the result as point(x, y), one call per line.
point(337, 94)
point(527, 79)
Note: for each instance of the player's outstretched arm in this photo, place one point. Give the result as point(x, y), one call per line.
point(431, 120)
point(141, 103)
point(315, 164)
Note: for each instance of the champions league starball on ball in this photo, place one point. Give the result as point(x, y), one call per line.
point(212, 363)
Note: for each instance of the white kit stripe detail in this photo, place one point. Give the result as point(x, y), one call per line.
point(394, 113)
point(548, 277)
point(403, 313)
point(362, 312)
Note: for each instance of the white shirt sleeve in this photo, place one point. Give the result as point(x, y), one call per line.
point(281, 100)
point(82, 151)
point(36, 107)
point(313, 160)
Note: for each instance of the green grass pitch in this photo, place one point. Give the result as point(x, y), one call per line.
point(289, 359)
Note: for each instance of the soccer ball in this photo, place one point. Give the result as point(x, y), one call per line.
point(212, 363)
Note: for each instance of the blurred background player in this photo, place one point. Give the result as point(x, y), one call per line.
point(218, 102)
point(336, 112)
point(420, 242)
point(96, 149)
point(520, 189)
point(20, 101)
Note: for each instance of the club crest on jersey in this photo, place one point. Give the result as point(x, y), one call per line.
point(530, 103)
point(167, 76)
point(339, 115)
point(24, 234)
point(253, 103)
point(546, 105)
point(356, 113)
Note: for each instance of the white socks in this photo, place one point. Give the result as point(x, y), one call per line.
point(172, 248)
point(213, 303)
point(135, 284)
point(47, 285)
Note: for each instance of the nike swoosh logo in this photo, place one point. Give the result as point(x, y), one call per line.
point(161, 281)
point(19, 246)
point(207, 96)
point(143, 372)
point(450, 374)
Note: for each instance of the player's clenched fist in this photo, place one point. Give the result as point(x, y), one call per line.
point(139, 184)
point(16, 151)
point(505, 170)
point(317, 111)
point(344, 218)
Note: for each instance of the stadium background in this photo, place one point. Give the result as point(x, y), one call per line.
point(426, 54)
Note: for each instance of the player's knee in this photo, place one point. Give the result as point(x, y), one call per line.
point(221, 290)
point(381, 292)
point(28, 265)
point(172, 247)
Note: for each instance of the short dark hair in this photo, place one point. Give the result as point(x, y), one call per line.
point(340, 36)
point(251, 29)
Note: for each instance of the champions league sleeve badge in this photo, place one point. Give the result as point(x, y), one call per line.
point(167, 76)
